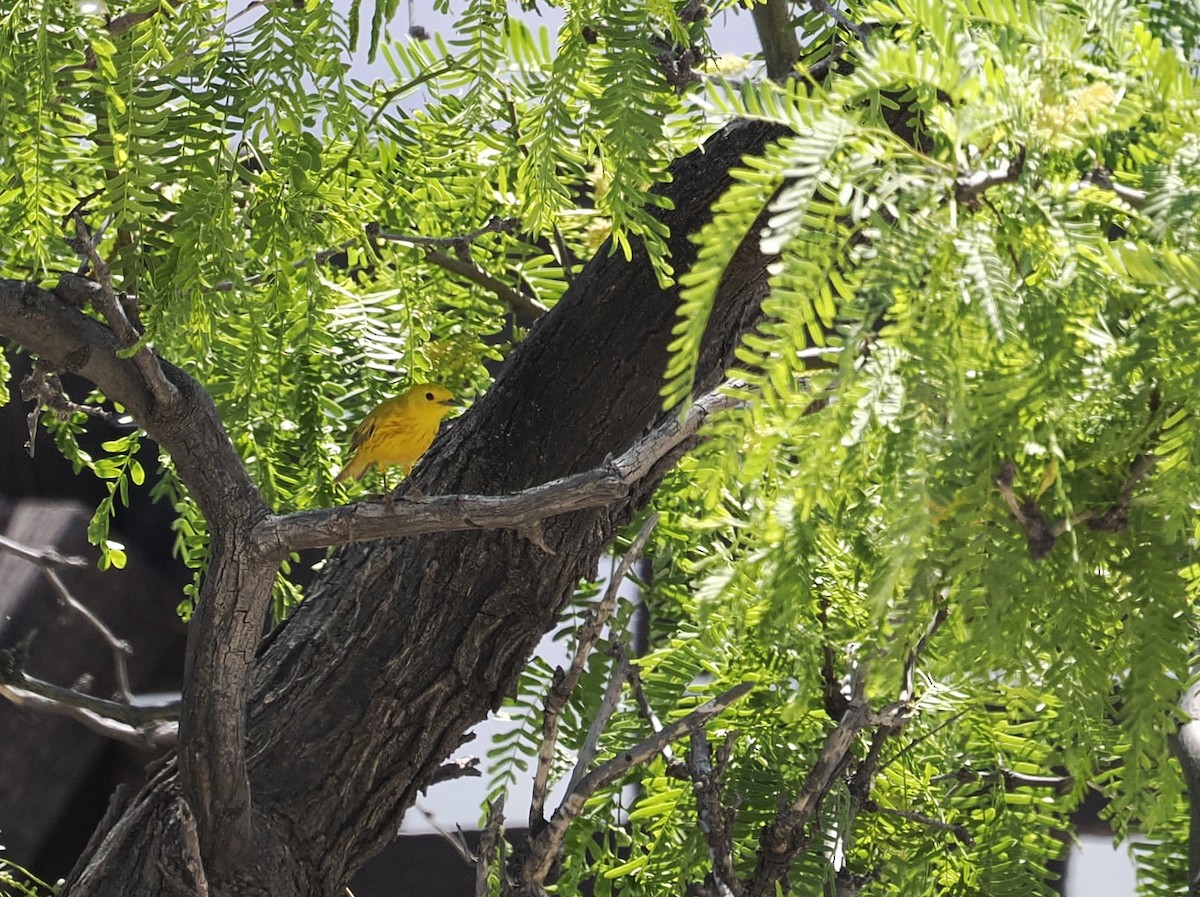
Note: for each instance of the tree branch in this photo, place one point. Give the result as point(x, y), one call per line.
point(781, 47)
point(490, 843)
point(236, 591)
point(140, 726)
point(46, 560)
point(969, 187)
point(787, 836)
point(960, 832)
point(715, 821)
point(544, 847)
point(105, 301)
point(390, 517)
point(564, 682)
point(513, 298)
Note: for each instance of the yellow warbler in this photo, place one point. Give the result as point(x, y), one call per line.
point(398, 431)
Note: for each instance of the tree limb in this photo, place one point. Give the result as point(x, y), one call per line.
point(564, 682)
point(544, 847)
point(150, 726)
point(390, 517)
point(236, 591)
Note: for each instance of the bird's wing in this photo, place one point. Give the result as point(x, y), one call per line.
point(364, 430)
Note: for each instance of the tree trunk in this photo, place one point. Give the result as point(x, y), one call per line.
point(402, 646)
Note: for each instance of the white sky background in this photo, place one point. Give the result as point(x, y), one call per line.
point(1097, 868)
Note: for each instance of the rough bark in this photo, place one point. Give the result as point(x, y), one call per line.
point(402, 645)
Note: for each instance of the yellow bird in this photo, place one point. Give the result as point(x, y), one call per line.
point(398, 431)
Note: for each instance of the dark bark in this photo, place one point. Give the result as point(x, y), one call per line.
point(401, 646)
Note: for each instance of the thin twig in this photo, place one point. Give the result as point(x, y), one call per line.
point(544, 847)
point(564, 682)
point(840, 18)
point(43, 557)
point(106, 302)
point(455, 839)
point(43, 387)
point(643, 704)
point(590, 749)
point(513, 298)
point(495, 225)
point(46, 560)
point(119, 647)
point(961, 832)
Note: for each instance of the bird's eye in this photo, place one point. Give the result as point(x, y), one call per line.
point(429, 396)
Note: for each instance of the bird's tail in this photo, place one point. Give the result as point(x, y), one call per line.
point(353, 470)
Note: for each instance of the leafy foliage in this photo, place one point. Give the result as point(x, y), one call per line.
point(983, 297)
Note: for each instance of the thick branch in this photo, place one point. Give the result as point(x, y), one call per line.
point(236, 592)
point(390, 517)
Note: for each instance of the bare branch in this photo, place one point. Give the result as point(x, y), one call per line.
point(634, 677)
point(388, 517)
point(564, 682)
point(590, 748)
point(961, 832)
point(841, 19)
point(43, 557)
point(787, 836)
point(544, 847)
point(46, 560)
point(455, 839)
point(44, 388)
point(513, 298)
point(489, 843)
point(715, 820)
point(140, 726)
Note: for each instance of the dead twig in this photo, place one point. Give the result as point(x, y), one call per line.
point(564, 682)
